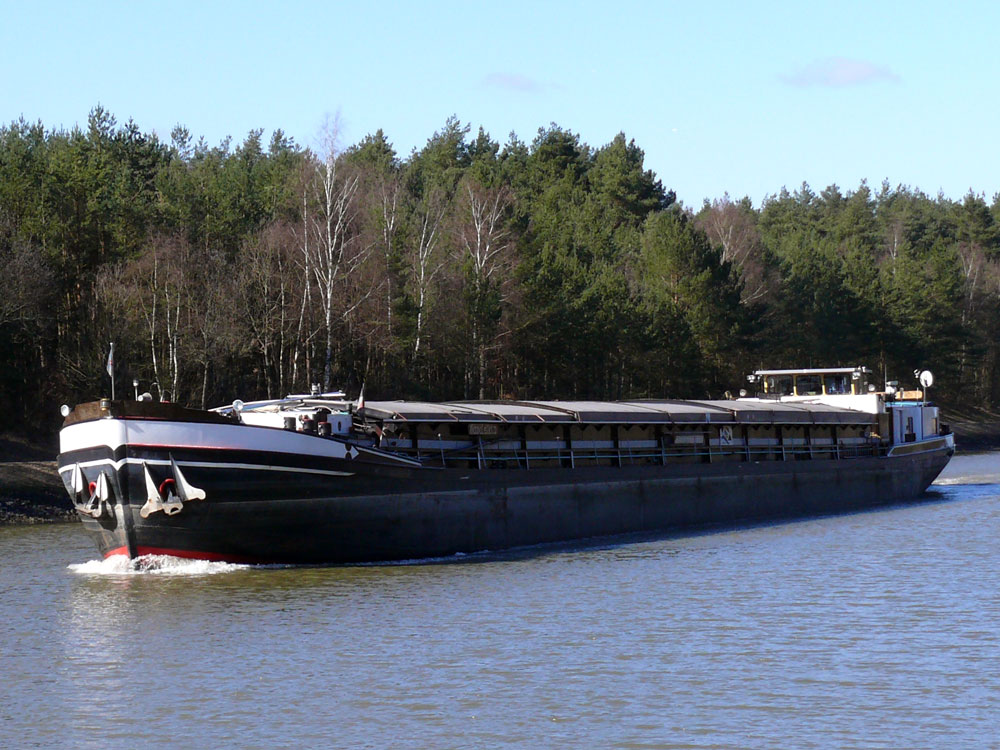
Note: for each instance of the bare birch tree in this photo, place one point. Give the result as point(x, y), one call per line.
point(152, 292)
point(389, 190)
point(426, 260)
point(731, 226)
point(268, 297)
point(486, 247)
point(300, 343)
point(336, 251)
point(26, 279)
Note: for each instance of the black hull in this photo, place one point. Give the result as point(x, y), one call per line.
point(348, 512)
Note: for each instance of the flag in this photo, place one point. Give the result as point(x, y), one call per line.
point(111, 360)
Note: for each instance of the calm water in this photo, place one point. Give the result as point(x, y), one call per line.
point(875, 630)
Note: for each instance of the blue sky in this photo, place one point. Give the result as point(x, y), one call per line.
point(743, 98)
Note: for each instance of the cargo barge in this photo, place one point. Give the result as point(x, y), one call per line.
point(318, 479)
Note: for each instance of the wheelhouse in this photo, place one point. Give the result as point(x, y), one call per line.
point(831, 381)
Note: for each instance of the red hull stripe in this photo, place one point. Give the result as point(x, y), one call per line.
point(185, 553)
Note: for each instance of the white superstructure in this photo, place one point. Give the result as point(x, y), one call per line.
point(904, 416)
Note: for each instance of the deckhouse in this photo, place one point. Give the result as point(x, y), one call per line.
point(903, 416)
point(830, 381)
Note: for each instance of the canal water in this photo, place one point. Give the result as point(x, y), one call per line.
point(872, 630)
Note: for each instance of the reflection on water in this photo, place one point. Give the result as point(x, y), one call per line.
point(870, 630)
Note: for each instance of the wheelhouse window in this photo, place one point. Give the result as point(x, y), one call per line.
point(837, 385)
point(807, 385)
point(813, 381)
point(778, 385)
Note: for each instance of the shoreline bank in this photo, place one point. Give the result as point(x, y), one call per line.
point(32, 492)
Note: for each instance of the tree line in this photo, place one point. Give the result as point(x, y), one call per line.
point(465, 269)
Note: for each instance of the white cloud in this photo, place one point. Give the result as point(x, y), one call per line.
point(840, 71)
point(512, 82)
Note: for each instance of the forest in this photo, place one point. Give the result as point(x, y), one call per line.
point(467, 269)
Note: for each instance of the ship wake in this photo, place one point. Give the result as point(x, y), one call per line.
point(117, 565)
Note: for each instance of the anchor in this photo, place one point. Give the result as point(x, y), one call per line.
point(96, 504)
point(77, 483)
point(172, 493)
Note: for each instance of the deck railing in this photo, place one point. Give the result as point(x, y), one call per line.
point(482, 455)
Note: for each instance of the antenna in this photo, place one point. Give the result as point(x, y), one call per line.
point(111, 369)
point(926, 380)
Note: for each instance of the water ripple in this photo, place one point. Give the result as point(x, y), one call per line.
point(871, 630)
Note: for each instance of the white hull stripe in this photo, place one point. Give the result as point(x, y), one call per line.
point(205, 464)
point(115, 433)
